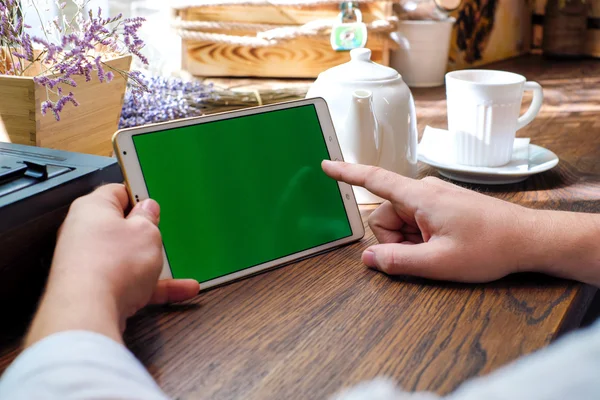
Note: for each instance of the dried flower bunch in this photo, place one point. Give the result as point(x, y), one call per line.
point(79, 44)
point(166, 99)
point(172, 98)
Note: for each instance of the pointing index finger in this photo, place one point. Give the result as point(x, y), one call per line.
point(378, 181)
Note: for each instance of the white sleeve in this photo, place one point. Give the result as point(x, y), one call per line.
point(567, 369)
point(78, 365)
point(84, 365)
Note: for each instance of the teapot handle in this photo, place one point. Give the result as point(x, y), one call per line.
point(413, 132)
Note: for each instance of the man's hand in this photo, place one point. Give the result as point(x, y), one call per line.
point(433, 229)
point(106, 267)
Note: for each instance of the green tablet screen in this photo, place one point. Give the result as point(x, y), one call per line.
point(240, 192)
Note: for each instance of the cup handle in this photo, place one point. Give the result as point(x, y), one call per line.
point(536, 104)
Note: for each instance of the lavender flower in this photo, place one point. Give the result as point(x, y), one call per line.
point(56, 107)
point(166, 99)
point(99, 69)
point(77, 50)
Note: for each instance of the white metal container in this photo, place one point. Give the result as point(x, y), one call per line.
point(422, 58)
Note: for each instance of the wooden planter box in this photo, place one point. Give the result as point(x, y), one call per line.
point(303, 57)
point(87, 128)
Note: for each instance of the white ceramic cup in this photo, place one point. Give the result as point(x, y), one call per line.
point(483, 114)
point(422, 54)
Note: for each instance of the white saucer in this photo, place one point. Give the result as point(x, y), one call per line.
point(540, 160)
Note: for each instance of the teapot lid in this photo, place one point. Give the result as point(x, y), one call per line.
point(360, 68)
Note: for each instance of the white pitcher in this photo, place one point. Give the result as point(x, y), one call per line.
point(373, 113)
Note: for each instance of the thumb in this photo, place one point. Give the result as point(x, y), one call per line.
point(403, 259)
point(148, 209)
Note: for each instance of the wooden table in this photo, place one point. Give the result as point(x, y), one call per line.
point(311, 328)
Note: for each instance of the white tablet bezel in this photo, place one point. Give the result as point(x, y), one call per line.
point(136, 186)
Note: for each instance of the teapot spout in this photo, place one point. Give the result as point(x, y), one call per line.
point(362, 131)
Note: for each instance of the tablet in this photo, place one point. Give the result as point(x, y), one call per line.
point(241, 192)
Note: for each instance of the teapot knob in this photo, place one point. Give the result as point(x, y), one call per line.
point(360, 54)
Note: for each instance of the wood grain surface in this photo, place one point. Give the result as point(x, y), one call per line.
point(308, 329)
point(279, 14)
point(302, 57)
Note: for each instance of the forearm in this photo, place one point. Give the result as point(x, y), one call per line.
point(75, 303)
point(563, 244)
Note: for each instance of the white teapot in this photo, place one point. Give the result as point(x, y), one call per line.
point(373, 113)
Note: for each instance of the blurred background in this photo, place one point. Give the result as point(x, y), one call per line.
point(163, 47)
